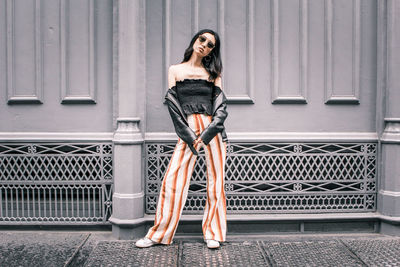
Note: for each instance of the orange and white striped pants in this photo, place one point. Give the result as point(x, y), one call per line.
point(175, 187)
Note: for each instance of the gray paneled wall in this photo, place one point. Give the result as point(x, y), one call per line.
point(291, 65)
point(298, 66)
point(298, 73)
point(56, 66)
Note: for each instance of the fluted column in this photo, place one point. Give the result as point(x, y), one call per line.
point(128, 57)
point(389, 191)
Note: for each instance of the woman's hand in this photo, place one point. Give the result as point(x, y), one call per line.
point(197, 142)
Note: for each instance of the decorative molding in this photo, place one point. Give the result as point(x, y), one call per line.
point(221, 29)
point(392, 120)
point(245, 98)
point(271, 217)
point(195, 16)
point(160, 136)
point(391, 134)
point(115, 61)
point(250, 61)
point(128, 132)
point(147, 218)
point(303, 55)
point(166, 43)
point(393, 57)
point(330, 96)
point(241, 99)
point(279, 136)
point(390, 23)
point(389, 193)
point(66, 97)
point(381, 59)
point(54, 136)
point(12, 95)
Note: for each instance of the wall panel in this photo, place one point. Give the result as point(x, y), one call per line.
point(289, 51)
point(236, 27)
point(206, 15)
point(177, 31)
point(24, 52)
point(342, 38)
point(78, 73)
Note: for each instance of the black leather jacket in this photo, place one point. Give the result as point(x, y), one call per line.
point(181, 125)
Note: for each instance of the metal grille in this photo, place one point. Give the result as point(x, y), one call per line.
point(310, 253)
point(229, 254)
point(376, 252)
point(125, 253)
point(298, 251)
point(279, 177)
point(56, 182)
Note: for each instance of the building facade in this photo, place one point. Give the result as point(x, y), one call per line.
point(313, 124)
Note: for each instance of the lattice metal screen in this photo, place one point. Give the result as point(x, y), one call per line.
point(279, 177)
point(56, 182)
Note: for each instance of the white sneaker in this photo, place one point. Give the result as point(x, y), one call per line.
point(212, 243)
point(145, 243)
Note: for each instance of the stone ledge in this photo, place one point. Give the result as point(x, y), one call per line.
point(274, 217)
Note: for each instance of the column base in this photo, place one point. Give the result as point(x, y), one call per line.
point(129, 229)
point(390, 229)
point(389, 203)
point(128, 233)
point(128, 206)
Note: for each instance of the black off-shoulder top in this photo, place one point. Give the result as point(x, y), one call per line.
point(195, 96)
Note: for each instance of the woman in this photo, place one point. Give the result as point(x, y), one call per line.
point(197, 107)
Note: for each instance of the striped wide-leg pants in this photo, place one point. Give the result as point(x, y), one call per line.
point(175, 187)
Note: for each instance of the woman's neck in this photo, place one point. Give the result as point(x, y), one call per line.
point(195, 61)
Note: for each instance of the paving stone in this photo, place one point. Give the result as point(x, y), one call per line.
point(310, 253)
point(38, 249)
point(125, 253)
point(229, 254)
point(83, 253)
point(376, 252)
point(101, 249)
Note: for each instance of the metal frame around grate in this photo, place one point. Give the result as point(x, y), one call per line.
point(56, 182)
point(279, 177)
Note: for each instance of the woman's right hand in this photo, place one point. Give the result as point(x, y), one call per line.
point(197, 142)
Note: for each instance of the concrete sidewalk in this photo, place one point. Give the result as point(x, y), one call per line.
point(61, 248)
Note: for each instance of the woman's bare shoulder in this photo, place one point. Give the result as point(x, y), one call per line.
point(172, 73)
point(176, 67)
point(218, 82)
point(172, 68)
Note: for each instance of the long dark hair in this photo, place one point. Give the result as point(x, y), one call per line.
point(212, 62)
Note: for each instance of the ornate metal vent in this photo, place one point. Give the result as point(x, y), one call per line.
point(279, 177)
point(56, 182)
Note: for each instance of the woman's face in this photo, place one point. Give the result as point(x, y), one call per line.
point(204, 44)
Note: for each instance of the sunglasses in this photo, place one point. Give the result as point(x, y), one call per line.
point(202, 39)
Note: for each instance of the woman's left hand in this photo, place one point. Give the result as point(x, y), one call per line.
point(197, 142)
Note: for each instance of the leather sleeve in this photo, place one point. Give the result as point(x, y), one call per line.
point(217, 124)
